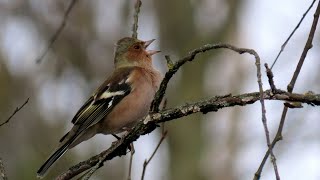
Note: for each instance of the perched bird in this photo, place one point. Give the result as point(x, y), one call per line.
point(122, 100)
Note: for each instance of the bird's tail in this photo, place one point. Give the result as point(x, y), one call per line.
point(53, 158)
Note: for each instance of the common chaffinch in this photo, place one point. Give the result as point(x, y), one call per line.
point(121, 101)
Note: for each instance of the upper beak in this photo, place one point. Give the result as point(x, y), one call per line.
point(147, 43)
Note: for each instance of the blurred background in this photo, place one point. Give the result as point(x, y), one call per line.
point(226, 145)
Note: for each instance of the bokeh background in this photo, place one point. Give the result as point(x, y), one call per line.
point(226, 145)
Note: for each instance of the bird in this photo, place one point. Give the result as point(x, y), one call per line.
point(119, 102)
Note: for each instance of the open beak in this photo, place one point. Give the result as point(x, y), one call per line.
point(150, 52)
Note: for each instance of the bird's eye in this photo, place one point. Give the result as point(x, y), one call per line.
point(136, 47)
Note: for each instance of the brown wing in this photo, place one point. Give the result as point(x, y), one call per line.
point(108, 95)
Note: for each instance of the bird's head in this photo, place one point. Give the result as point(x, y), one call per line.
point(132, 52)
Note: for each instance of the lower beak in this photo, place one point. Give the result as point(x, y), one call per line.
point(147, 43)
point(152, 52)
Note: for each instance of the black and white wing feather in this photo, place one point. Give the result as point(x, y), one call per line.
point(106, 97)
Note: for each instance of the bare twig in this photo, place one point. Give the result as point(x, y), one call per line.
point(169, 61)
point(82, 177)
point(146, 162)
point(130, 161)
point(3, 175)
point(119, 147)
point(136, 18)
point(14, 112)
point(270, 78)
point(264, 117)
point(190, 57)
point(164, 133)
point(294, 30)
point(290, 87)
point(57, 33)
point(307, 47)
point(277, 138)
point(175, 67)
point(90, 172)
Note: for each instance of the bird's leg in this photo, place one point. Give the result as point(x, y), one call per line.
point(131, 148)
point(117, 137)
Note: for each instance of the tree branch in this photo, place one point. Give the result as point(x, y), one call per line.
point(58, 32)
point(136, 18)
point(14, 112)
point(270, 78)
point(119, 148)
point(263, 112)
point(290, 87)
point(147, 161)
point(294, 30)
point(173, 68)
